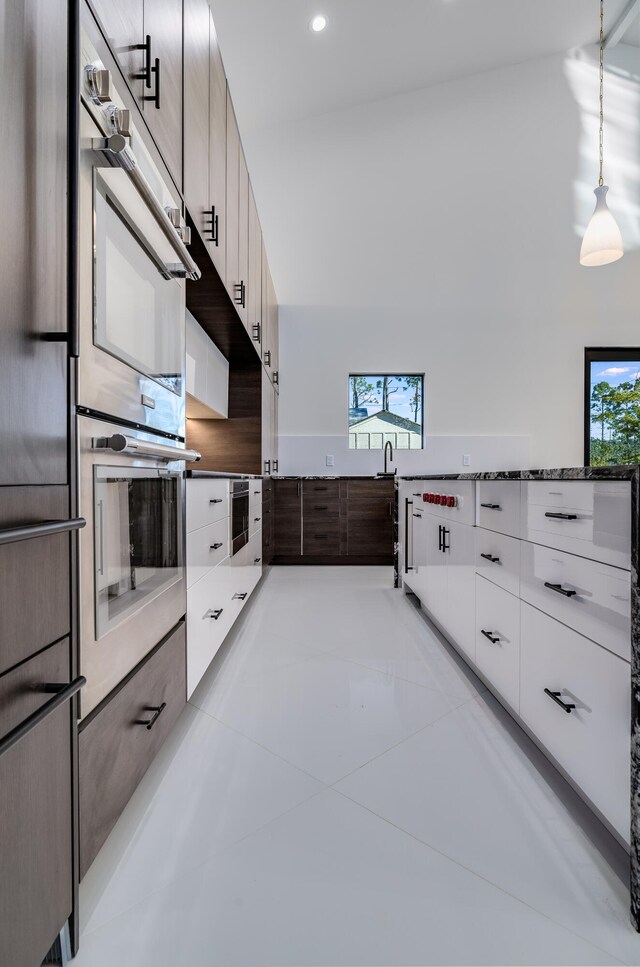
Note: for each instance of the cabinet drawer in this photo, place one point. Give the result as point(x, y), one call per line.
point(369, 488)
point(35, 812)
point(116, 734)
point(589, 518)
point(207, 502)
point(592, 741)
point(321, 537)
point(34, 596)
point(499, 506)
point(498, 639)
point(211, 612)
point(597, 602)
point(498, 559)
point(325, 488)
point(206, 547)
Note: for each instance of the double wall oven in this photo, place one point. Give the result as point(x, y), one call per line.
point(133, 263)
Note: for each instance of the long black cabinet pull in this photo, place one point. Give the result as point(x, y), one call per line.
point(213, 228)
point(214, 614)
point(241, 294)
point(240, 595)
point(490, 557)
point(216, 500)
point(321, 507)
point(419, 516)
point(146, 70)
point(214, 547)
point(559, 589)
point(567, 706)
point(491, 506)
point(43, 529)
point(62, 694)
point(157, 712)
point(492, 638)
point(440, 529)
point(445, 546)
point(155, 97)
point(561, 516)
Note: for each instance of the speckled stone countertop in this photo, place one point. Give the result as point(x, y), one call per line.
point(326, 476)
point(566, 473)
point(221, 475)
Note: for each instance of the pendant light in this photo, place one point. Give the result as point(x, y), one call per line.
point(602, 242)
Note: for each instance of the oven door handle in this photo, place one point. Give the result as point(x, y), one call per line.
point(142, 448)
point(119, 155)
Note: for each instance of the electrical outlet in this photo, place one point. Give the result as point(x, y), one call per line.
point(330, 461)
point(466, 460)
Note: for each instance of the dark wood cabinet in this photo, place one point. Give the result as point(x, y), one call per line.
point(288, 518)
point(163, 110)
point(35, 812)
point(127, 731)
point(330, 521)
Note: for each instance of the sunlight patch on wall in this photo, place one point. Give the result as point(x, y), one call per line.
point(621, 136)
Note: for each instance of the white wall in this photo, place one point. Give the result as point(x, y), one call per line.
point(440, 231)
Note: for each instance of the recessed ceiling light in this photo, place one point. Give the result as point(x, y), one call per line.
point(318, 23)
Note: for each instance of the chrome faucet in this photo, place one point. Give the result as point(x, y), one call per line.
point(390, 446)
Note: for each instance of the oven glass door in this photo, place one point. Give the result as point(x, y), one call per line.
point(239, 522)
point(137, 307)
point(138, 540)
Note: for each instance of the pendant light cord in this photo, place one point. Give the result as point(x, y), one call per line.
point(600, 180)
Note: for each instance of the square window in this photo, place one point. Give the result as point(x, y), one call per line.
point(386, 408)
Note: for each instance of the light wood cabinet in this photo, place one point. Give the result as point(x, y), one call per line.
point(217, 153)
point(236, 285)
point(162, 104)
point(254, 288)
point(270, 356)
point(197, 19)
point(123, 23)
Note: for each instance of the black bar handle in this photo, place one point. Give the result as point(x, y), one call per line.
point(146, 70)
point(445, 546)
point(492, 638)
point(491, 506)
point(255, 520)
point(418, 515)
point(567, 706)
point(155, 97)
point(62, 694)
point(211, 213)
point(257, 332)
point(157, 712)
point(44, 529)
point(320, 537)
point(257, 560)
point(561, 516)
point(216, 500)
point(321, 507)
point(559, 589)
point(267, 362)
point(214, 614)
point(490, 557)
point(214, 547)
point(439, 537)
point(239, 595)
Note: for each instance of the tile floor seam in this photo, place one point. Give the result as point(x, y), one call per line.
point(264, 748)
point(480, 877)
point(198, 866)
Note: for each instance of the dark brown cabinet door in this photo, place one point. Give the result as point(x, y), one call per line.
point(287, 495)
point(163, 114)
point(123, 24)
point(117, 734)
point(370, 527)
point(33, 199)
point(321, 518)
point(217, 151)
point(196, 114)
point(35, 812)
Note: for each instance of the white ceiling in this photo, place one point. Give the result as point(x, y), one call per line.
point(280, 71)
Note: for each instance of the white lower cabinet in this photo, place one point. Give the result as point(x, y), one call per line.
point(575, 697)
point(210, 615)
point(498, 639)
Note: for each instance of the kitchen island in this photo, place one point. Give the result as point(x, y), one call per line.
point(533, 577)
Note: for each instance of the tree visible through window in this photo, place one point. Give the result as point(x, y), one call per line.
point(386, 408)
point(612, 407)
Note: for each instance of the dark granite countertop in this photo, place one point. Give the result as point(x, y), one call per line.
point(568, 473)
point(222, 475)
point(326, 476)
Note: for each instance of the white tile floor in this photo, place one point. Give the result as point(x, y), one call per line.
point(340, 791)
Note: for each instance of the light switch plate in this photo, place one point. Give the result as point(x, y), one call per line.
point(330, 461)
point(466, 460)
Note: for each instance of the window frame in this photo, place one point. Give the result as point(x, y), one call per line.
point(601, 354)
point(370, 375)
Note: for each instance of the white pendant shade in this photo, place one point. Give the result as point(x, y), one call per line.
point(602, 242)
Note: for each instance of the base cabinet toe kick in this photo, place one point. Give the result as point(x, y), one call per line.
point(531, 581)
